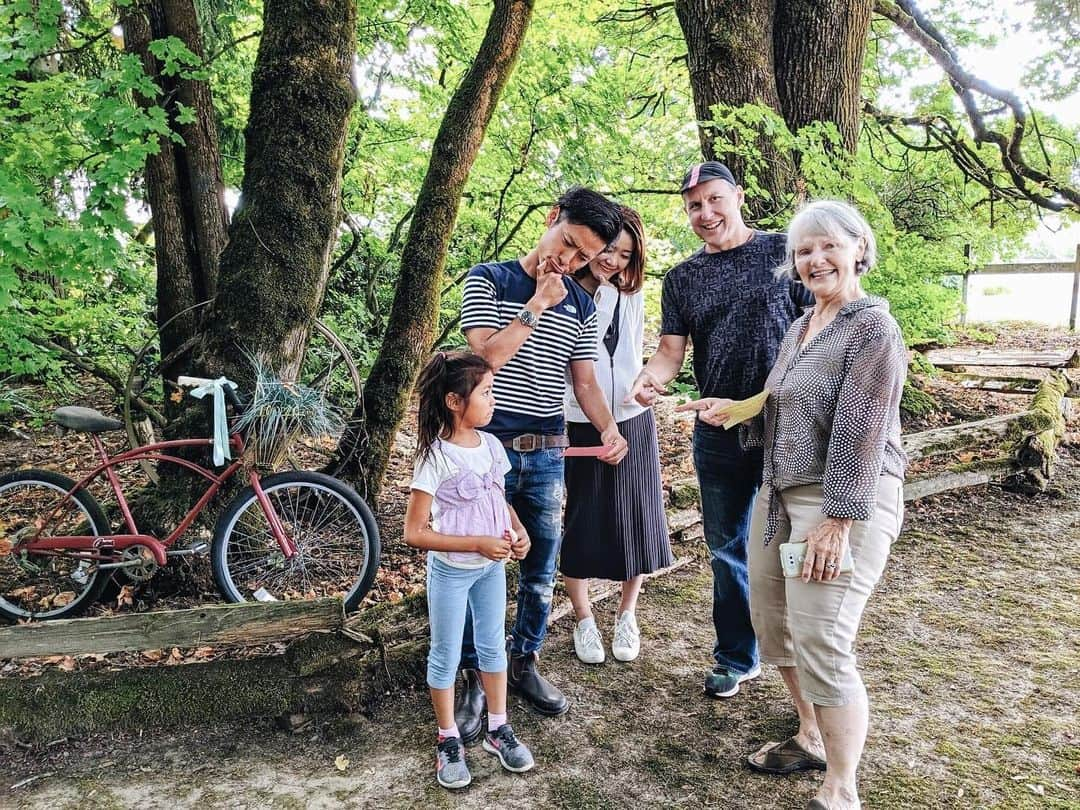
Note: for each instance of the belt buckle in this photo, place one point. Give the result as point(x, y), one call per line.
point(525, 443)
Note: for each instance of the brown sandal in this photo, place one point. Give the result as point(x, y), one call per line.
point(784, 758)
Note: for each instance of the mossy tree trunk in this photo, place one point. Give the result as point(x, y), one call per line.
point(800, 58)
point(413, 317)
point(183, 181)
point(274, 269)
point(1036, 449)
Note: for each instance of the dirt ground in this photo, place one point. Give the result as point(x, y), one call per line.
point(970, 649)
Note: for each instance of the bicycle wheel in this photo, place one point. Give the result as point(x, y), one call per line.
point(334, 532)
point(46, 586)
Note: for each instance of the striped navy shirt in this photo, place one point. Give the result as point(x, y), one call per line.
point(529, 389)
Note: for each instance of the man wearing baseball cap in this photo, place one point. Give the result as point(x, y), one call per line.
point(726, 300)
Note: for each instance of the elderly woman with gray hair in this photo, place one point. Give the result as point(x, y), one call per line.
point(833, 477)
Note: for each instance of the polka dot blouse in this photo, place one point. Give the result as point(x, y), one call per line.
point(833, 413)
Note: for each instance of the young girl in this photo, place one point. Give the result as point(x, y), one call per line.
point(458, 512)
point(626, 537)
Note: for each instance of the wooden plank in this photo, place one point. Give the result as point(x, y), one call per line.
point(245, 623)
point(1004, 385)
point(922, 487)
point(989, 471)
point(947, 358)
point(602, 589)
point(1024, 267)
point(957, 437)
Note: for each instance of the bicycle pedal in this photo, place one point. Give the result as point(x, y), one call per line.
point(198, 547)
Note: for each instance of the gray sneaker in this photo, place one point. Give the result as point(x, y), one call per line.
point(723, 682)
point(512, 753)
point(450, 767)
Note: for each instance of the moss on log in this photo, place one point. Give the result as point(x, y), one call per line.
point(1041, 432)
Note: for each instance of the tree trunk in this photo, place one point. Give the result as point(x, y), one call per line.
point(274, 269)
point(800, 58)
point(818, 48)
point(183, 181)
point(730, 59)
point(413, 317)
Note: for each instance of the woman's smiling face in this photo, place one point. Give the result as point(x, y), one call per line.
point(826, 264)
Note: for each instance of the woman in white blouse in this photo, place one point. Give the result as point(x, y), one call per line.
point(615, 527)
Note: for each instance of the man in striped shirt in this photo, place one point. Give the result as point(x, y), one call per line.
point(537, 328)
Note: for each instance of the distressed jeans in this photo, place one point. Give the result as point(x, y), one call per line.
point(729, 478)
point(534, 487)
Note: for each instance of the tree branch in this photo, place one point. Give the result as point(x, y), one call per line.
point(1034, 184)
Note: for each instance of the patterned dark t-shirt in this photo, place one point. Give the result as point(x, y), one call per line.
point(735, 311)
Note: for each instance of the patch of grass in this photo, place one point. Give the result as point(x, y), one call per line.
point(577, 793)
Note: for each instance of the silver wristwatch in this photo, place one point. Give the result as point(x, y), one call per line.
point(528, 318)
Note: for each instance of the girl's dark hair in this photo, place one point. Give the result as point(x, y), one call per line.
point(632, 278)
point(446, 373)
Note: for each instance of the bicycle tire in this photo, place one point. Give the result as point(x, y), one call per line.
point(248, 563)
point(23, 498)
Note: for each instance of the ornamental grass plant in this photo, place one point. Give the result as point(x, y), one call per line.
point(280, 412)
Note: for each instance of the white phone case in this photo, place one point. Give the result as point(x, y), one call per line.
point(793, 555)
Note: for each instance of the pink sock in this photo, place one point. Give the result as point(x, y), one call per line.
point(447, 733)
point(495, 721)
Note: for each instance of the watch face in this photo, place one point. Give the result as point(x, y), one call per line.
point(527, 318)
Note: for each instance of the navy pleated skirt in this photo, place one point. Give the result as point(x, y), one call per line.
point(615, 526)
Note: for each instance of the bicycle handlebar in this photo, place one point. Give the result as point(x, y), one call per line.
point(185, 381)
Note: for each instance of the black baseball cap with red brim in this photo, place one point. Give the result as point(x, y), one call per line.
point(703, 172)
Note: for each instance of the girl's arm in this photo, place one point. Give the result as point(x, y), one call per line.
point(520, 546)
point(419, 534)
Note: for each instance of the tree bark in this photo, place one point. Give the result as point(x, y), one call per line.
point(273, 271)
point(183, 180)
point(818, 49)
point(411, 325)
point(802, 59)
point(730, 59)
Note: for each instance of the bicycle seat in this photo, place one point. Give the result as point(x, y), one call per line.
point(85, 420)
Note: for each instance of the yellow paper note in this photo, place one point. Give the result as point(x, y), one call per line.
point(744, 409)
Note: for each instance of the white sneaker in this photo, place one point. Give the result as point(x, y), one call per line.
point(587, 642)
point(626, 644)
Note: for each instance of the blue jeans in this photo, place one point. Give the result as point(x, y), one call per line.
point(452, 590)
point(534, 487)
point(729, 478)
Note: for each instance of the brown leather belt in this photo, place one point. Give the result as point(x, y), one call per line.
point(528, 442)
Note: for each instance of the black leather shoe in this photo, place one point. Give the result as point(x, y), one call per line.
point(469, 704)
point(538, 691)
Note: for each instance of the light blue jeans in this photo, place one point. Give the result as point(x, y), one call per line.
point(450, 590)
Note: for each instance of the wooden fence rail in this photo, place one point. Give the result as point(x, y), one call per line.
point(1031, 267)
point(246, 623)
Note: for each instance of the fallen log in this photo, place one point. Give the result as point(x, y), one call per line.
point(1037, 446)
point(1003, 385)
point(244, 624)
point(954, 438)
point(987, 472)
point(953, 358)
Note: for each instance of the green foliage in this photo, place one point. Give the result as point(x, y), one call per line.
point(592, 100)
point(72, 142)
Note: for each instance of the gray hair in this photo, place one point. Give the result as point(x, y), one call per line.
point(829, 218)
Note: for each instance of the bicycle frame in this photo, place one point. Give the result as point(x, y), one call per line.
point(101, 547)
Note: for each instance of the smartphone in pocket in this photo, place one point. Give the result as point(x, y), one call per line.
point(793, 555)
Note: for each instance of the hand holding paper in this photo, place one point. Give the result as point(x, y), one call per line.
point(725, 413)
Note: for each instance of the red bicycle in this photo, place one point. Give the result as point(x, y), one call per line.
point(291, 535)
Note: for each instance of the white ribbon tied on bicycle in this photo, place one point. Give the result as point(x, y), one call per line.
point(220, 438)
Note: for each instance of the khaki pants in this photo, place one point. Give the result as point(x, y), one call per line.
point(811, 626)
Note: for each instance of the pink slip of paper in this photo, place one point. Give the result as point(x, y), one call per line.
point(598, 450)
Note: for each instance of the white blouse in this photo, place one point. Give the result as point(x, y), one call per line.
point(615, 374)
